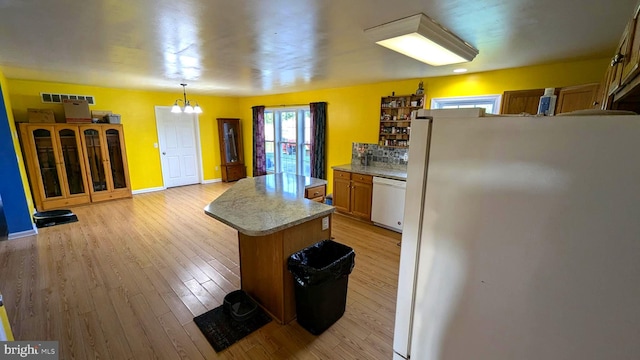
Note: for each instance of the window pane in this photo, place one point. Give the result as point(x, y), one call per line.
point(306, 156)
point(289, 141)
point(270, 152)
point(269, 133)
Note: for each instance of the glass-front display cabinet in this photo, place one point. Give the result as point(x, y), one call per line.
point(106, 161)
point(55, 165)
point(70, 164)
point(231, 151)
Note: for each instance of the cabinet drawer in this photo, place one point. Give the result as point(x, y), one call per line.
point(368, 179)
point(337, 174)
point(315, 192)
point(235, 172)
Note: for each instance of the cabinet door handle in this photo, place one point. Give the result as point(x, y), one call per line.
point(617, 59)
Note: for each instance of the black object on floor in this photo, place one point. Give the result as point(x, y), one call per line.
point(54, 217)
point(239, 305)
point(321, 276)
point(221, 328)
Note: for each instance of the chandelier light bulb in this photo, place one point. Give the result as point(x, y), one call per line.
point(188, 109)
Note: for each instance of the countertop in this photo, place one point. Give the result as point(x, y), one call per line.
point(267, 204)
point(374, 170)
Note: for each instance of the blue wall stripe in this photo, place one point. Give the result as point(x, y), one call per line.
point(14, 200)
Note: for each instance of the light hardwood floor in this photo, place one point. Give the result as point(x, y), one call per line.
point(126, 281)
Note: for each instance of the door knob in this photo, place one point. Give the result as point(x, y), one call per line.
point(164, 153)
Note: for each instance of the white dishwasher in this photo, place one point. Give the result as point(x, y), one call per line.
point(388, 203)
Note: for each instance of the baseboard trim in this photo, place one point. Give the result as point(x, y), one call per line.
point(148, 190)
point(211, 181)
point(21, 234)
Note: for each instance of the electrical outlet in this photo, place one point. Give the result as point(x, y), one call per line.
point(155, 145)
point(217, 167)
point(325, 223)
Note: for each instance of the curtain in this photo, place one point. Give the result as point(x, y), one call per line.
point(259, 153)
point(318, 140)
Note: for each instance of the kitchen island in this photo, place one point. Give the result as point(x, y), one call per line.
point(273, 219)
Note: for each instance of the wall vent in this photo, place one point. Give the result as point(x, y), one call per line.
point(49, 98)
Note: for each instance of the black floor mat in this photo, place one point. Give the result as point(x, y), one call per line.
point(53, 217)
point(222, 331)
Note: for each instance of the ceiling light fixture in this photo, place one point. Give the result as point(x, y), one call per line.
point(460, 71)
point(187, 104)
point(423, 39)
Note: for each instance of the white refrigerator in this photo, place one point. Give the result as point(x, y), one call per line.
point(521, 239)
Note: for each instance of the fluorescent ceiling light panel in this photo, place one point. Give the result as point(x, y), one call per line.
point(423, 39)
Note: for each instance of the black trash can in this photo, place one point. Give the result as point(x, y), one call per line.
point(321, 274)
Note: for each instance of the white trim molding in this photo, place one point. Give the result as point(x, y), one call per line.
point(21, 234)
point(468, 101)
point(148, 190)
point(211, 181)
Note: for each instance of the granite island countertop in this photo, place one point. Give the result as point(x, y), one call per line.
point(267, 204)
point(374, 170)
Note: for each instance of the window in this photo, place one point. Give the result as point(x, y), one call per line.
point(491, 103)
point(288, 140)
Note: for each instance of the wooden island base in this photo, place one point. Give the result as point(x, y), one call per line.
point(263, 265)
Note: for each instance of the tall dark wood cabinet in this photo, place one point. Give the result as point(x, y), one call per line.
point(231, 151)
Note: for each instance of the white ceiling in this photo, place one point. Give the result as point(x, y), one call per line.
point(251, 47)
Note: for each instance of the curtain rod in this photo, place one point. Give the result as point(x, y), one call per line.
point(287, 105)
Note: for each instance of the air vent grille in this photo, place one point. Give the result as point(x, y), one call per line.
point(49, 98)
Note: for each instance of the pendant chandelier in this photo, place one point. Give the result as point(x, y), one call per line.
point(188, 109)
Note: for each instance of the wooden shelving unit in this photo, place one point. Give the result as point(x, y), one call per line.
point(395, 119)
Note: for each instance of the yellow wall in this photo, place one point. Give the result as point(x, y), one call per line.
point(16, 142)
point(137, 109)
point(353, 113)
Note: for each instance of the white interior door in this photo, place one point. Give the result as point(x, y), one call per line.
point(178, 142)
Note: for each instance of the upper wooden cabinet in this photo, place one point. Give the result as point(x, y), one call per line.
point(579, 97)
point(231, 151)
point(521, 101)
point(570, 98)
point(74, 164)
point(620, 60)
point(631, 59)
point(622, 77)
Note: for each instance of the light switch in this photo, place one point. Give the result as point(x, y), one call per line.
point(325, 223)
point(155, 145)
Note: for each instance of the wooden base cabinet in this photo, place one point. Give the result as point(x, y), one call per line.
point(352, 193)
point(71, 164)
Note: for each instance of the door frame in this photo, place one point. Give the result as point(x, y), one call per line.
point(196, 123)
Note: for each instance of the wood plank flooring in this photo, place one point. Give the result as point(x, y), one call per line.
point(126, 281)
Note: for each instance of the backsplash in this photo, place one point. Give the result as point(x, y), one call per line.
point(380, 156)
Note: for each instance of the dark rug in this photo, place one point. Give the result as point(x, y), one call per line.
point(222, 331)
